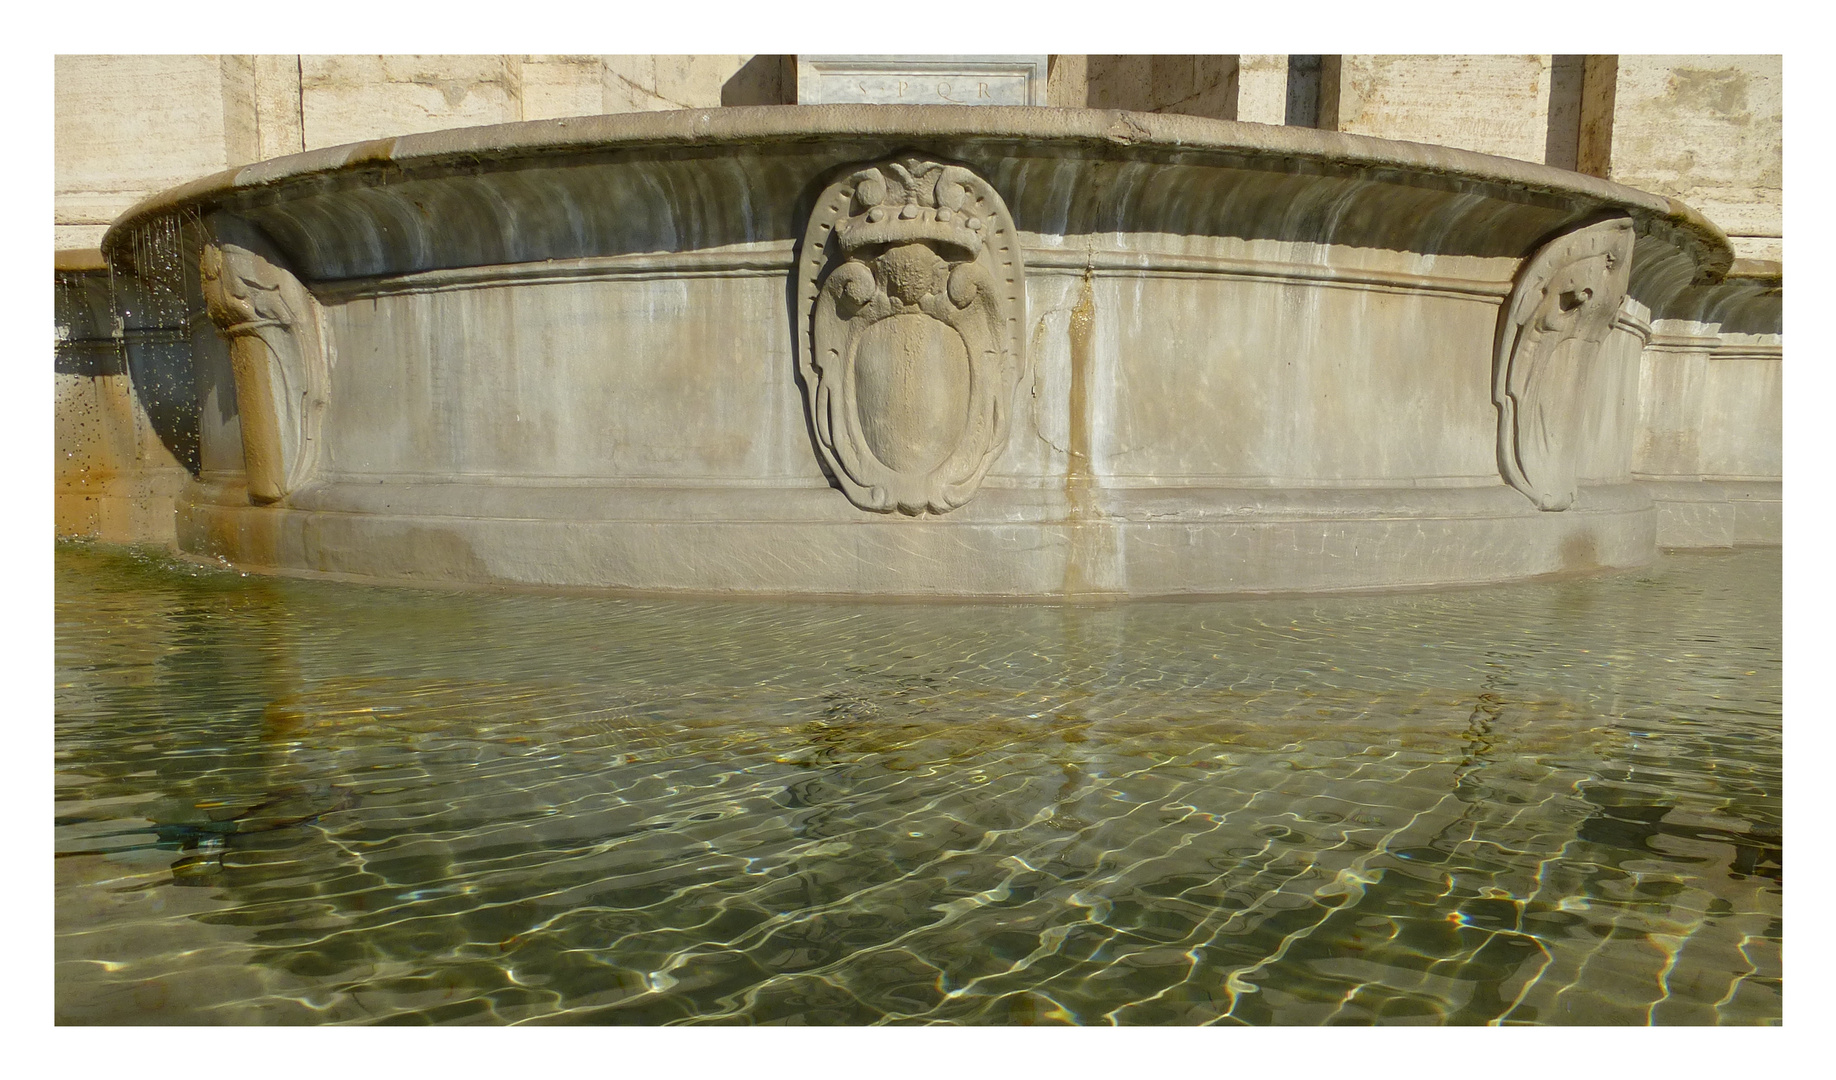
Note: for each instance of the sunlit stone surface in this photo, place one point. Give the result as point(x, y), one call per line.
point(1203, 358)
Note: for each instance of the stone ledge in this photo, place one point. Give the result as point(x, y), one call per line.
point(1475, 536)
point(1717, 513)
point(587, 499)
point(79, 260)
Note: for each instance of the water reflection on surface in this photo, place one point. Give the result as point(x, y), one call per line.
point(294, 802)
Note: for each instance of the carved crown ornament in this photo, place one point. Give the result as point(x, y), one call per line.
point(277, 356)
point(1549, 335)
point(911, 305)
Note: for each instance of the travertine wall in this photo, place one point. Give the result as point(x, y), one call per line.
point(1708, 130)
point(1705, 129)
point(1492, 104)
point(1252, 88)
point(113, 478)
point(1194, 85)
point(129, 126)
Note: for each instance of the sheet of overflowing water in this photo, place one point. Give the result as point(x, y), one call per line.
point(285, 801)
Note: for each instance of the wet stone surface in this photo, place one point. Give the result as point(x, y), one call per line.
point(302, 802)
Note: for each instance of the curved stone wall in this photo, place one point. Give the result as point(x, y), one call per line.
point(1230, 357)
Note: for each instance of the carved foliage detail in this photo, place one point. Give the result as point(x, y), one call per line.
point(1549, 336)
point(910, 304)
point(276, 352)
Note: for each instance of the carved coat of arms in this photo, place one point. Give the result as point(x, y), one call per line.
point(910, 308)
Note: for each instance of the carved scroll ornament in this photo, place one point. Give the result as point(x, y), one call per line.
point(910, 304)
point(276, 353)
point(1549, 333)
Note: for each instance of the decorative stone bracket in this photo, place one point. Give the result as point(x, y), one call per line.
point(277, 354)
point(910, 307)
point(1561, 310)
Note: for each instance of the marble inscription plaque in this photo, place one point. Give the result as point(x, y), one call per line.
point(921, 80)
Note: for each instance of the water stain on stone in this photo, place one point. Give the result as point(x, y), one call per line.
point(1721, 91)
point(1580, 552)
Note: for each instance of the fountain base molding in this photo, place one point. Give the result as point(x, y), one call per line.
point(1014, 543)
point(1717, 514)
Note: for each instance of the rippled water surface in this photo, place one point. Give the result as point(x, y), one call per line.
point(293, 802)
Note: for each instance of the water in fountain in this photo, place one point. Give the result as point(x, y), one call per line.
point(286, 801)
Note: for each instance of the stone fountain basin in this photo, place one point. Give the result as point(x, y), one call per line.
point(565, 353)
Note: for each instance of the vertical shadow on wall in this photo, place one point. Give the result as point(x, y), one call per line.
point(158, 298)
point(1562, 144)
point(762, 80)
point(86, 340)
point(1303, 107)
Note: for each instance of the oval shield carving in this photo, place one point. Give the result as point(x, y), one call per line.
point(910, 307)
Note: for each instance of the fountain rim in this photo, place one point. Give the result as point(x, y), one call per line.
point(1113, 131)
